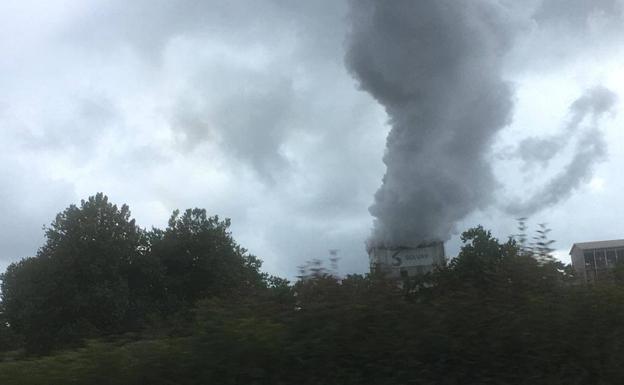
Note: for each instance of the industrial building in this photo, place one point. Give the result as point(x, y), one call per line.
point(397, 262)
point(593, 260)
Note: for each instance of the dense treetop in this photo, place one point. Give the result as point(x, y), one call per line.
point(105, 301)
point(98, 273)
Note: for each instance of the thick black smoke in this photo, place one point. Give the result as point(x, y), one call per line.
point(436, 67)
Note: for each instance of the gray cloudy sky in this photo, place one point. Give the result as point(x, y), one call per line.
point(275, 113)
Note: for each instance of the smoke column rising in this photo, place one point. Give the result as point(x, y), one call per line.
point(435, 65)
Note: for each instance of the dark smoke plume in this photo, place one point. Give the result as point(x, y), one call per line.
point(435, 65)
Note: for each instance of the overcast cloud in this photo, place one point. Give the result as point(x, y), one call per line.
point(260, 111)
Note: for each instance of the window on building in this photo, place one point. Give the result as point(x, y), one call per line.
point(620, 255)
point(611, 258)
point(601, 261)
point(589, 259)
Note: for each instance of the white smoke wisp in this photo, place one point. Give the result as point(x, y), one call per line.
point(436, 67)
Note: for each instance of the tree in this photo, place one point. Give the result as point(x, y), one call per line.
point(481, 257)
point(521, 237)
point(77, 285)
point(542, 244)
point(200, 259)
point(26, 288)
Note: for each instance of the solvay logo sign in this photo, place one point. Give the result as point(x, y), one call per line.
point(410, 258)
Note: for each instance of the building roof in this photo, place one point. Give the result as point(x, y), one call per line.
point(598, 244)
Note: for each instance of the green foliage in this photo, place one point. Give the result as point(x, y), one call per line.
point(542, 244)
point(496, 314)
point(521, 237)
point(200, 259)
point(99, 363)
point(99, 274)
point(76, 286)
point(541, 247)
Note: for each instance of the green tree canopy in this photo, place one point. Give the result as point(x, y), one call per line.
point(200, 258)
point(77, 284)
point(98, 273)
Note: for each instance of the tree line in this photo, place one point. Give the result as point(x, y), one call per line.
point(105, 302)
point(99, 274)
